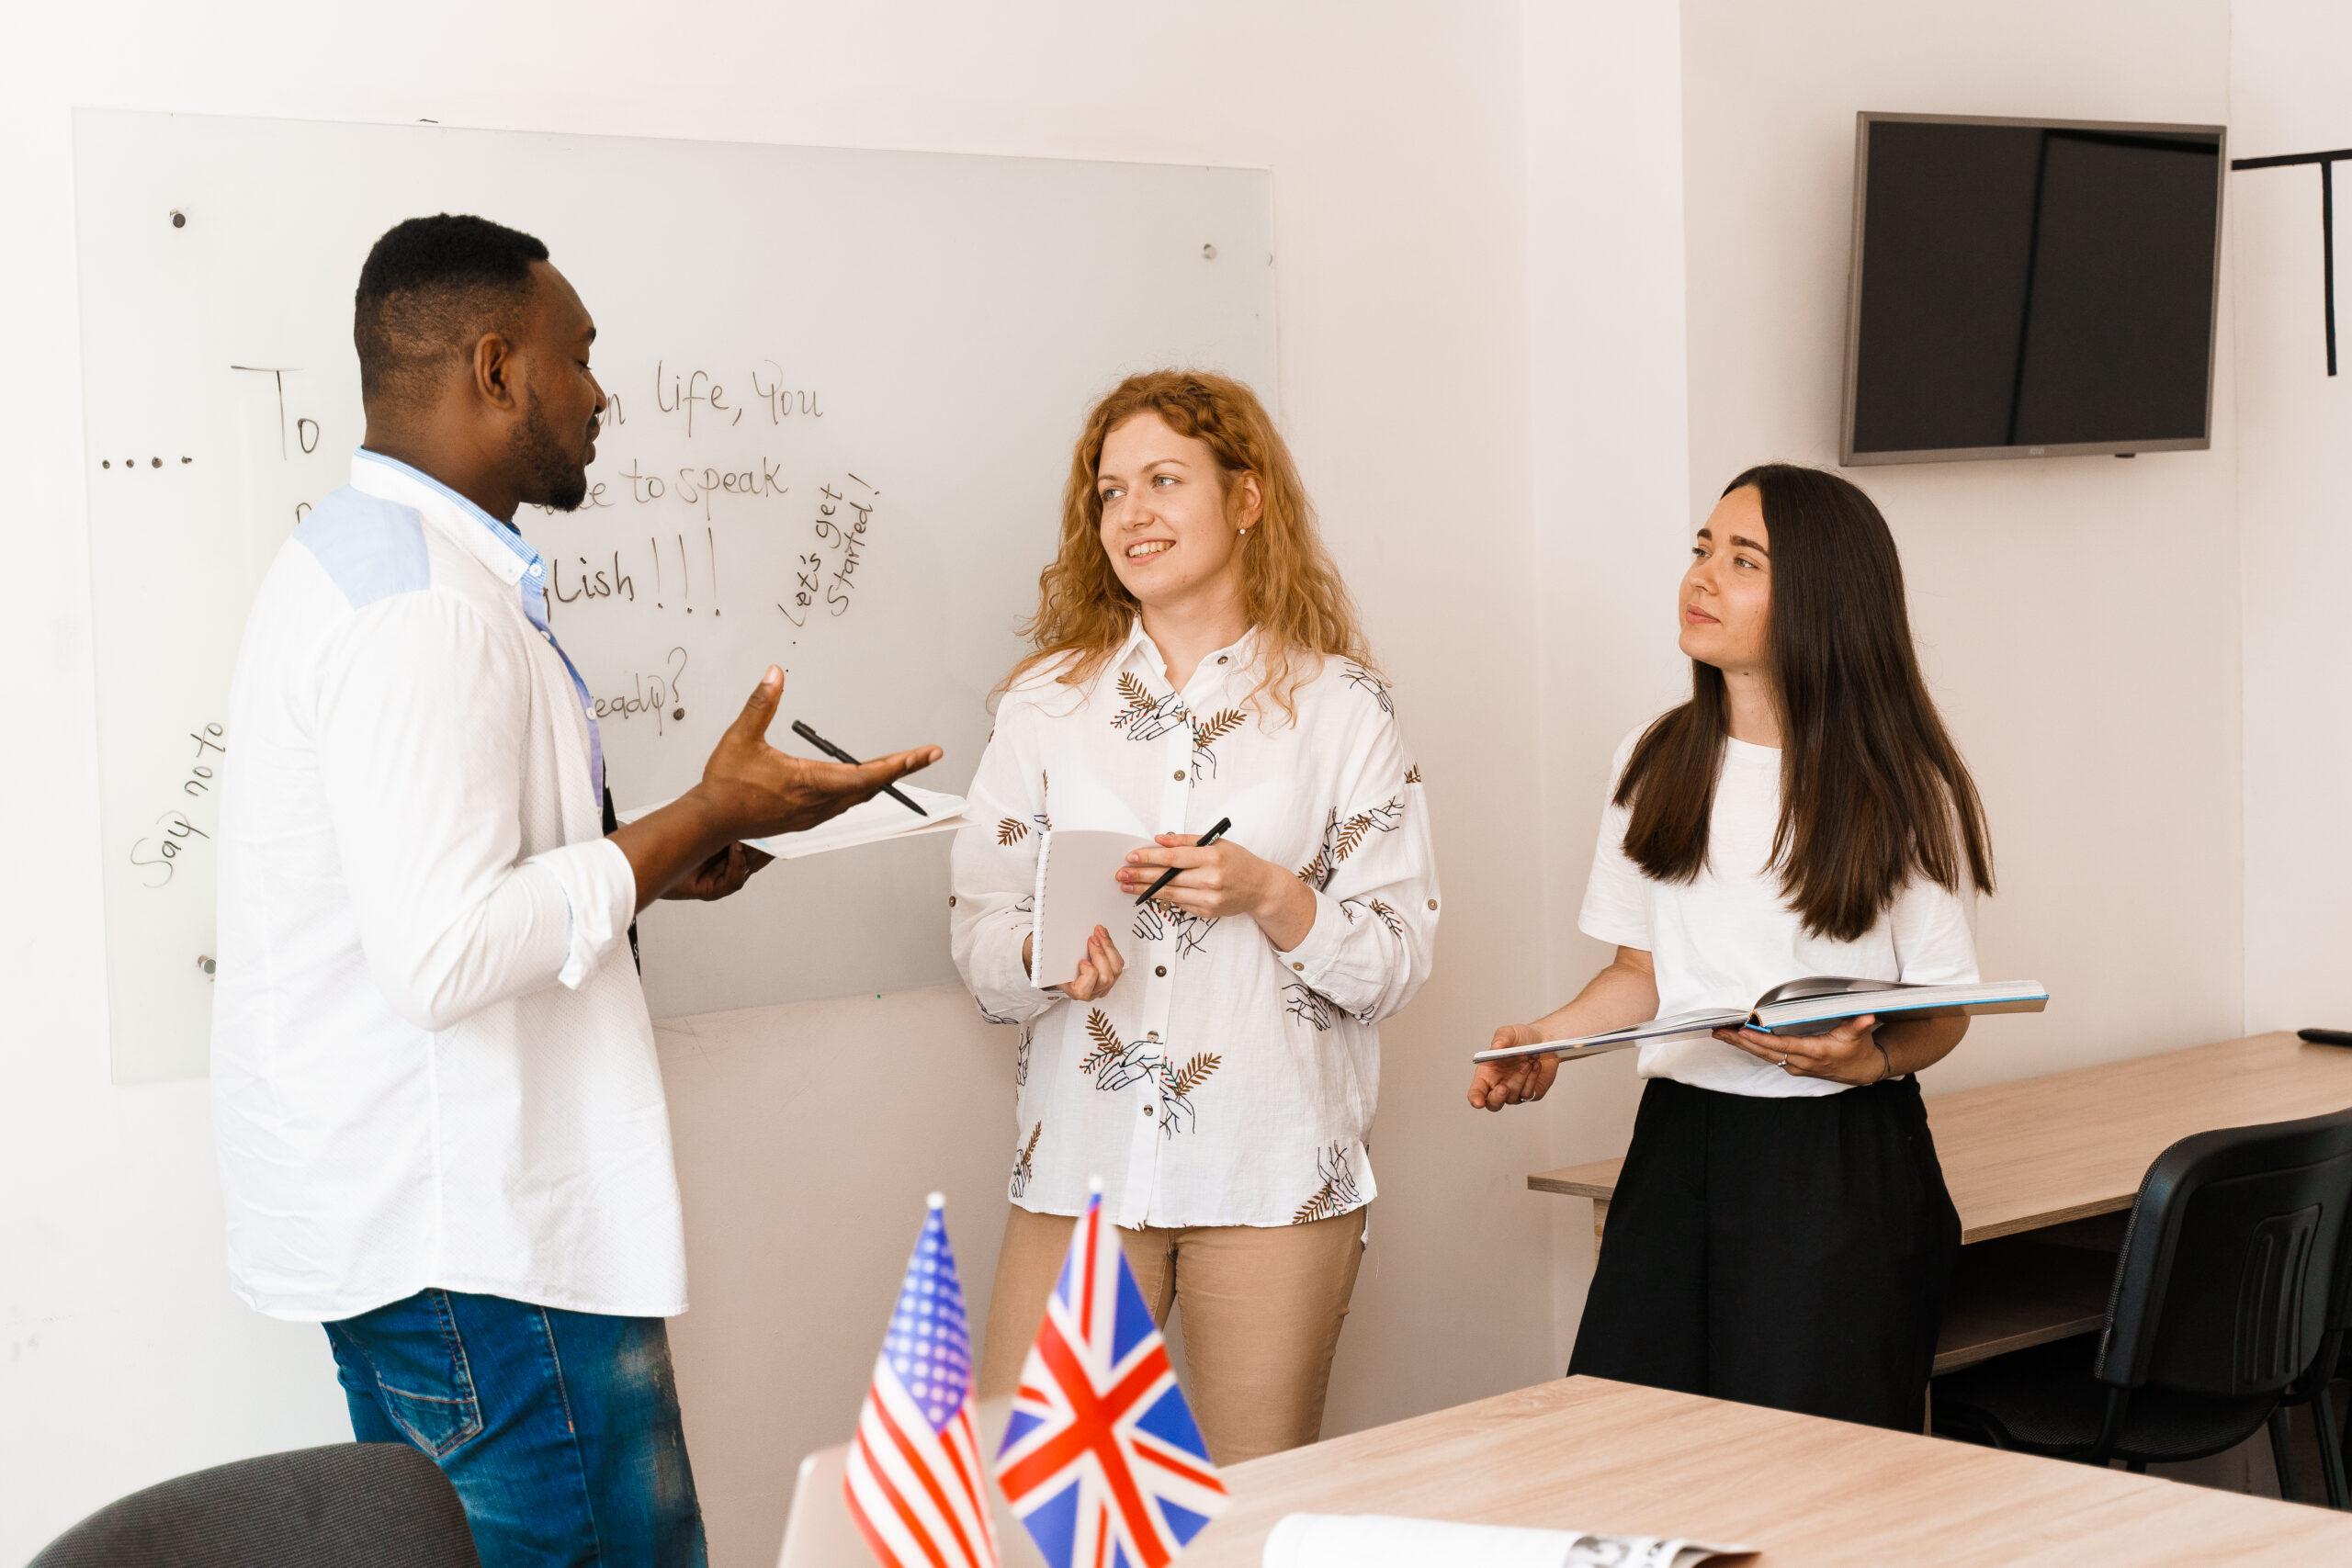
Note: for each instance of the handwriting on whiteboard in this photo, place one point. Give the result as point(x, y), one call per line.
point(159, 849)
point(660, 696)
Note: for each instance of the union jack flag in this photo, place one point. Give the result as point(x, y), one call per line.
point(1101, 1460)
point(913, 1477)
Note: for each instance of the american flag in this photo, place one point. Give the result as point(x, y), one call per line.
point(1101, 1460)
point(914, 1479)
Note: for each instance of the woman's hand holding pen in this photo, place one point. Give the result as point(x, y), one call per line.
point(1494, 1085)
point(1223, 879)
point(1849, 1053)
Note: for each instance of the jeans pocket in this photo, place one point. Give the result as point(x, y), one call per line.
point(422, 1376)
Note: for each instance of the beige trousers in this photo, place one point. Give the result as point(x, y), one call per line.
point(1262, 1309)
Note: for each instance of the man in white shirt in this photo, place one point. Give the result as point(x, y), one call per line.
point(440, 1118)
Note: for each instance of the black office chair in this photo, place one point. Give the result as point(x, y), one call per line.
point(348, 1505)
point(2311, 1390)
point(2233, 1261)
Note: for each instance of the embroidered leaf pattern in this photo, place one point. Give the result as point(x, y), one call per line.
point(1114, 1065)
point(1099, 1030)
point(1389, 917)
point(1363, 680)
point(1341, 840)
point(1219, 725)
point(1010, 831)
point(1151, 920)
point(1413, 774)
point(1193, 932)
point(1021, 1057)
point(1338, 1193)
point(1191, 1074)
point(1305, 1003)
point(1025, 1167)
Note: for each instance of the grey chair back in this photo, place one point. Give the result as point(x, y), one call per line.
point(347, 1506)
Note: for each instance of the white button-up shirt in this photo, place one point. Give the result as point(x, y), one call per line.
point(431, 1059)
point(1221, 1082)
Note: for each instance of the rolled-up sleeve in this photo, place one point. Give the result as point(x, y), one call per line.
point(994, 870)
point(1376, 901)
point(415, 696)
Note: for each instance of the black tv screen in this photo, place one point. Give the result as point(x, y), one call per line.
point(2030, 289)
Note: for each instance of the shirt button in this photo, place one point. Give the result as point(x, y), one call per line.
point(1220, 658)
point(1180, 775)
point(1147, 1110)
point(1432, 903)
point(1153, 1035)
point(1300, 967)
point(1161, 971)
point(951, 900)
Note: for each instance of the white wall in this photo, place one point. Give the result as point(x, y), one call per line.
point(2079, 617)
point(1550, 273)
point(1610, 472)
point(1395, 136)
point(2289, 93)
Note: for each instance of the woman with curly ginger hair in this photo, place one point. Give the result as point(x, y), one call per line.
point(1195, 656)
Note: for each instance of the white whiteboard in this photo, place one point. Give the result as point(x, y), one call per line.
point(917, 335)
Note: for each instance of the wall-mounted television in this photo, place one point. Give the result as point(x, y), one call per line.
point(2030, 287)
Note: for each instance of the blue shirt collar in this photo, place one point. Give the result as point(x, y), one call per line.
point(503, 533)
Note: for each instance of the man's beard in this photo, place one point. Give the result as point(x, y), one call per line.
point(558, 479)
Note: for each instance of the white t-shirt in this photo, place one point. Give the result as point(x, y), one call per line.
point(1727, 937)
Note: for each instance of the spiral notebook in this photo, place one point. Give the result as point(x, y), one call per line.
point(1077, 890)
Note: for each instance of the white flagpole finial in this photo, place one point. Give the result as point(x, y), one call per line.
point(937, 1200)
point(1094, 1186)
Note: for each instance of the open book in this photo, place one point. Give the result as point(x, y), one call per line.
point(1812, 1005)
point(1376, 1541)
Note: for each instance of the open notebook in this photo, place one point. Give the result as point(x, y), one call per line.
point(1815, 1005)
point(1379, 1541)
point(868, 822)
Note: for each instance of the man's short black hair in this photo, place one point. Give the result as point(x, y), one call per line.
point(429, 289)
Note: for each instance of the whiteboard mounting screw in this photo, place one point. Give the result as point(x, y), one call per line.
point(179, 218)
point(1208, 253)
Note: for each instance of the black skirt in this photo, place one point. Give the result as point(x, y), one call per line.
point(1792, 1253)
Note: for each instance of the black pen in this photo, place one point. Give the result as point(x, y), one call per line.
point(1170, 874)
point(838, 755)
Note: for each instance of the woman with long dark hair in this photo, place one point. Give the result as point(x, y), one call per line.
point(1781, 1233)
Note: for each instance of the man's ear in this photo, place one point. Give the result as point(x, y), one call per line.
point(494, 371)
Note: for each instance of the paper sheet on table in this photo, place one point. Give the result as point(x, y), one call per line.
point(1380, 1541)
point(869, 822)
point(1077, 891)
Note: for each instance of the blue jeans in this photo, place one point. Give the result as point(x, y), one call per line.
point(560, 1428)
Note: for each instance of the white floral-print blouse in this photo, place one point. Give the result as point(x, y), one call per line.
point(1221, 1082)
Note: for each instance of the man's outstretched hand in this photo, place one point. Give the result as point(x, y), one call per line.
point(749, 790)
point(762, 791)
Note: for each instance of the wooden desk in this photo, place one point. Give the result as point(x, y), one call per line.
point(2041, 1154)
point(1584, 1453)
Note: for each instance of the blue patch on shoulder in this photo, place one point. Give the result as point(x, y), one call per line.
point(371, 549)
